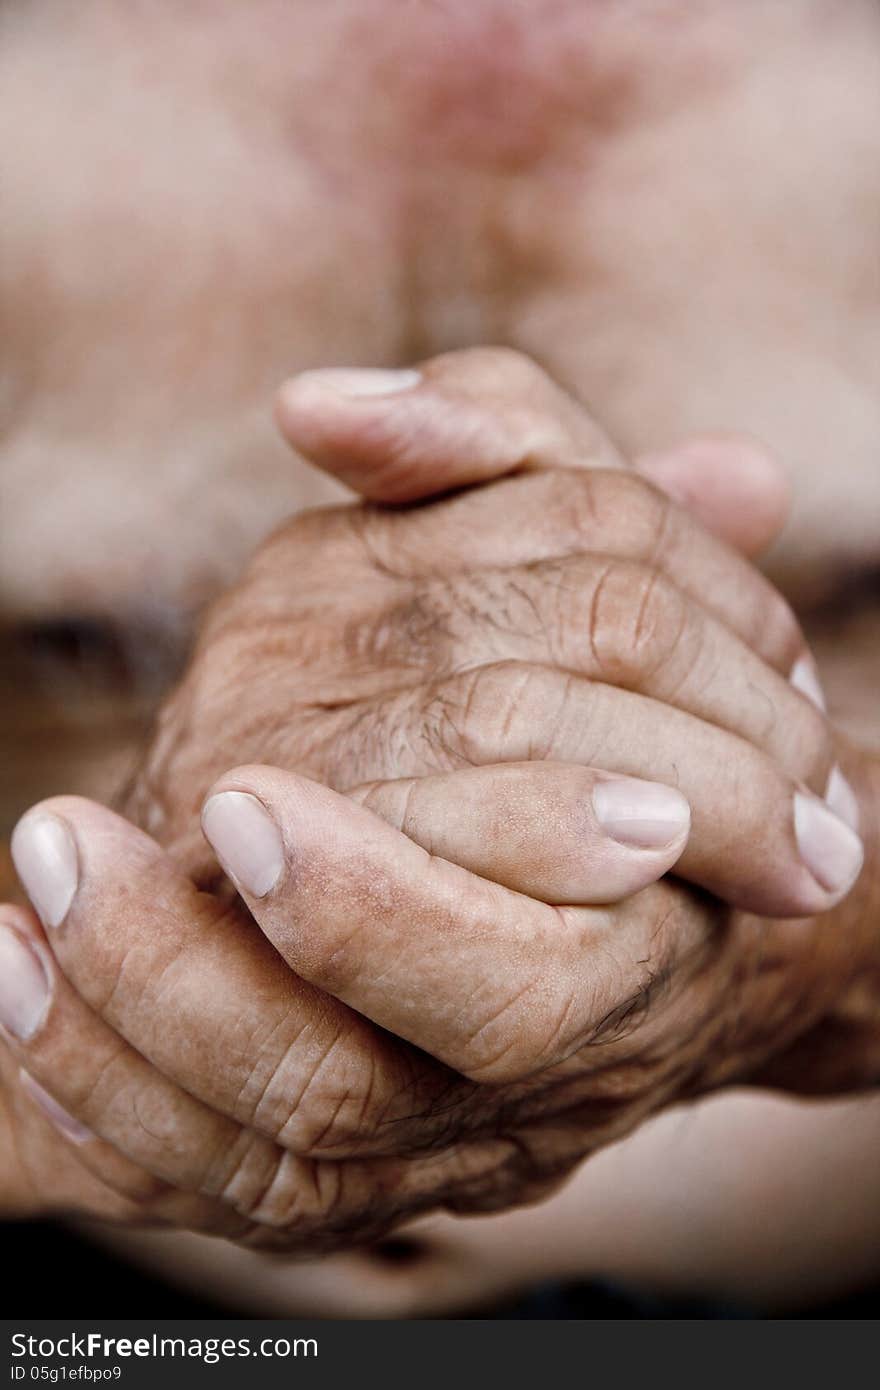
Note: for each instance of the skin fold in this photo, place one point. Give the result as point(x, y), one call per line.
point(146, 415)
point(294, 1124)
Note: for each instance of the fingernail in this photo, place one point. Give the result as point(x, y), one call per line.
point(44, 855)
point(57, 1116)
point(805, 678)
point(24, 985)
point(830, 849)
point(840, 796)
point(246, 840)
point(363, 381)
point(645, 815)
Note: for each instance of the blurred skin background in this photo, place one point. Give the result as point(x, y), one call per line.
point(674, 207)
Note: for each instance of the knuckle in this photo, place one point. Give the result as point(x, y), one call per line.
point(471, 717)
point(637, 622)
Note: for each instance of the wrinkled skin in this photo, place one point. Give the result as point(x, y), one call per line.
point(682, 377)
point(513, 1038)
point(383, 681)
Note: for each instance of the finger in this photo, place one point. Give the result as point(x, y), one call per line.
point(485, 413)
point(55, 1179)
point(616, 622)
point(257, 1192)
point(489, 981)
point(141, 1136)
point(557, 516)
point(731, 485)
point(561, 834)
point(759, 840)
point(462, 418)
point(188, 983)
point(475, 415)
point(162, 1158)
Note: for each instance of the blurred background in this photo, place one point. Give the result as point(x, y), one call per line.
point(676, 209)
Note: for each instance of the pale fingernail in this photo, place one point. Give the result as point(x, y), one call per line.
point(24, 985)
point(45, 859)
point(245, 839)
point(805, 678)
point(830, 849)
point(57, 1116)
point(643, 815)
point(840, 796)
point(362, 381)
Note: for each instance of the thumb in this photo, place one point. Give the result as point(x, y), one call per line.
point(472, 416)
point(461, 419)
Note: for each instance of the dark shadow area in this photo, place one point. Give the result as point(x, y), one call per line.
point(61, 1274)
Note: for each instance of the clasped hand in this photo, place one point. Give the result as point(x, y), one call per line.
point(508, 799)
